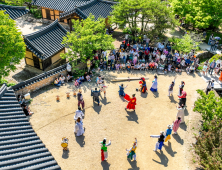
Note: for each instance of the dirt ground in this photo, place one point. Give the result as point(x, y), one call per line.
point(154, 111)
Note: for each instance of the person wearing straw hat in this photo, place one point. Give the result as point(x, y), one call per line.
point(80, 99)
point(79, 127)
point(168, 132)
point(160, 141)
point(104, 152)
point(131, 153)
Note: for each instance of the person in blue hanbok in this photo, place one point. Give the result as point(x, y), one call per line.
point(154, 85)
point(121, 90)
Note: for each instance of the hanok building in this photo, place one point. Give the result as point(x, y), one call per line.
point(14, 12)
point(43, 48)
point(65, 10)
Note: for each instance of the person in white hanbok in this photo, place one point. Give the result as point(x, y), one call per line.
point(160, 141)
point(180, 113)
point(78, 114)
point(79, 127)
point(154, 85)
point(103, 88)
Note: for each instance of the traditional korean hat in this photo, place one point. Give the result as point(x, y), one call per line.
point(161, 132)
point(169, 126)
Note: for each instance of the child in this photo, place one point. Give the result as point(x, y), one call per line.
point(169, 67)
point(135, 67)
point(108, 66)
point(104, 64)
point(113, 66)
point(188, 70)
point(123, 66)
point(142, 66)
point(117, 66)
point(139, 66)
point(146, 66)
point(76, 83)
point(88, 78)
point(90, 74)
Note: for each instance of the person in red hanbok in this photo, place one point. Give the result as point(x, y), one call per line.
point(143, 85)
point(131, 103)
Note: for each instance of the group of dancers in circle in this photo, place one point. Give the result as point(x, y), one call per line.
point(163, 137)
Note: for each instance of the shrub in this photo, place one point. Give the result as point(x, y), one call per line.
point(200, 67)
point(208, 106)
point(209, 145)
point(215, 57)
point(2, 81)
point(36, 12)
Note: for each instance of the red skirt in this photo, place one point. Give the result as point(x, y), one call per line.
point(102, 155)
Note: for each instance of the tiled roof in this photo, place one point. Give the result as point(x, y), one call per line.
point(61, 5)
point(39, 77)
point(14, 12)
point(95, 7)
point(20, 147)
point(47, 41)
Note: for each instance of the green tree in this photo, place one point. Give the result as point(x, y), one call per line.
point(200, 14)
point(19, 2)
point(209, 145)
point(208, 106)
point(12, 46)
point(142, 17)
point(186, 43)
point(88, 36)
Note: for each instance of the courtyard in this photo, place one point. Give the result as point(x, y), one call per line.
point(53, 120)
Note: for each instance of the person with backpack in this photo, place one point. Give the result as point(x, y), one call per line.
point(171, 87)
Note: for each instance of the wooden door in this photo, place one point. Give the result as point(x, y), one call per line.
point(48, 16)
point(36, 62)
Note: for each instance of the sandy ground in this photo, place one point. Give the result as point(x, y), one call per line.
point(154, 111)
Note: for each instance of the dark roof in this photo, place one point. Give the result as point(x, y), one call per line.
point(20, 147)
point(95, 7)
point(14, 12)
point(39, 77)
point(47, 41)
point(61, 5)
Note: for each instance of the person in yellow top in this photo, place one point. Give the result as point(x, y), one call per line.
point(131, 153)
point(88, 64)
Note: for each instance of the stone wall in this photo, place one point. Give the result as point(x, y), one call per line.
point(39, 81)
point(204, 54)
point(39, 84)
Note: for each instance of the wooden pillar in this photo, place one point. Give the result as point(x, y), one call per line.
point(70, 25)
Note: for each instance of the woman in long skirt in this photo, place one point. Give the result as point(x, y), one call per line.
point(154, 85)
point(176, 125)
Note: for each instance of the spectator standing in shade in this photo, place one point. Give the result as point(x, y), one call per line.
point(210, 39)
point(69, 69)
point(212, 45)
point(212, 66)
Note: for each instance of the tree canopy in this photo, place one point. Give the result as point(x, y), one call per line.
point(200, 14)
point(12, 46)
point(186, 43)
point(142, 17)
point(208, 106)
point(88, 36)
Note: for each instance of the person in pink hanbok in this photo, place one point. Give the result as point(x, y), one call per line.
point(176, 125)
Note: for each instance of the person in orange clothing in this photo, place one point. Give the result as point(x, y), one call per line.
point(131, 103)
point(220, 78)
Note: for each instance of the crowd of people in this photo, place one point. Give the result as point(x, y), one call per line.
point(144, 57)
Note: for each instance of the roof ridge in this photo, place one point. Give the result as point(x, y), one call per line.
point(87, 3)
point(16, 7)
point(111, 2)
point(35, 47)
point(43, 30)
